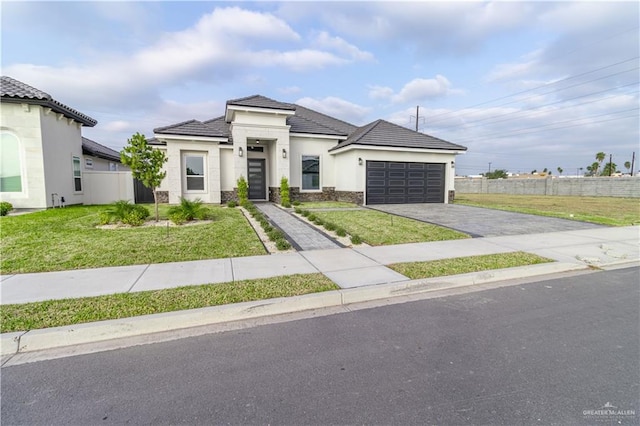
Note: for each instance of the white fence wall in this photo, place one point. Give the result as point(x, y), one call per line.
point(628, 187)
point(107, 187)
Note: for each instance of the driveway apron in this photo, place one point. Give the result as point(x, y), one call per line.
point(304, 236)
point(481, 222)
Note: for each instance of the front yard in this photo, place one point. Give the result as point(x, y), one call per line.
point(62, 239)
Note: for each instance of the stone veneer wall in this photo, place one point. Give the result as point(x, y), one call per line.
point(274, 194)
point(163, 196)
point(452, 196)
point(328, 194)
point(350, 197)
point(226, 196)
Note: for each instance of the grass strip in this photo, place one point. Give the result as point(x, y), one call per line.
point(55, 313)
point(463, 265)
point(611, 211)
point(328, 205)
point(377, 228)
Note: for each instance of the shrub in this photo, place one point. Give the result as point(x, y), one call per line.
point(318, 221)
point(305, 213)
point(232, 204)
point(295, 203)
point(356, 239)
point(284, 192)
point(298, 210)
point(243, 190)
point(5, 208)
point(341, 232)
point(312, 217)
point(125, 212)
point(330, 226)
point(275, 234)
point(282, 244)
point(188, 210)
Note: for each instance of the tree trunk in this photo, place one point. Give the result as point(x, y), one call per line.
point(155, 200)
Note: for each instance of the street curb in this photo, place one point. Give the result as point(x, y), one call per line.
point(50, 338)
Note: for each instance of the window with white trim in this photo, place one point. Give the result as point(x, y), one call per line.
point(10, 163)
point(77, 175)
point(310, 172)
point(194, 172)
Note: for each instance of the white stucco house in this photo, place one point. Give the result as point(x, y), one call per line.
point(324, 158)
point(43, 157)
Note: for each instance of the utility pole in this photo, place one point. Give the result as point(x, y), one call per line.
point(489, 166)
point(633, 162)
point(610, 165)
point(417, 117)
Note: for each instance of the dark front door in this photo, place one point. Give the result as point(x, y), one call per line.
point(257, 183)
point(394, 182)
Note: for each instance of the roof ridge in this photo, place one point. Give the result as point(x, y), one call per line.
point(324, 115)
point(213, 119)
point(371, 126)
point(157, 129)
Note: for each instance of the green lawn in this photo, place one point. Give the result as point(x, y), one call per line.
point(603, 210)
point(378, 228)
point(463, 265)
point(61, 239)
point(55, 313)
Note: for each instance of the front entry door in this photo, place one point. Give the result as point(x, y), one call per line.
point(257, 184)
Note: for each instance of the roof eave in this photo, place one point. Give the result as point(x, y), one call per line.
point(228, 116)
point(85, 120)
point(345, 148)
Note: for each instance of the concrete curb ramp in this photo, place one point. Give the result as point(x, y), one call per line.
point(58, 337)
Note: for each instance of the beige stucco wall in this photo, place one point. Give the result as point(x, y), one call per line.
point(312, 146)
point(61, 141)
point(227, 177)
point(23, 121)
point(175, 179)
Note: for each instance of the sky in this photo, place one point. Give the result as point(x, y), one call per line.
point(523, 85)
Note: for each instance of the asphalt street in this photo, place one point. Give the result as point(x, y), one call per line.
point(551, 352)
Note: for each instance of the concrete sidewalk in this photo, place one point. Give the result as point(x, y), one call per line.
point(347, 267)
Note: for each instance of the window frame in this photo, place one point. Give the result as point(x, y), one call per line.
point(88, 163)
point(302, 173)
point(185, 176)
point(21, 163)
point(78, 178)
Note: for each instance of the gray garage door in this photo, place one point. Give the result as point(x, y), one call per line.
point(392, 182)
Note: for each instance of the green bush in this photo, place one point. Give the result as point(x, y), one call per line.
point(282, 244)
point(232, 204)
point(284, 192)
point(243, 190)
point(295, 203)
point(312, 217)
point(298, 210)
point(341, 232)
point(5, 208)
point(188, 210)
point(356, 239)
point(305, 213)
point(330, 226)
point(318, 221)
point(125, 212)
point(275, 234)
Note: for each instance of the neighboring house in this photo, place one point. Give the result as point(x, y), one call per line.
point(323, 158)
point(40, 148)
point(100, 158)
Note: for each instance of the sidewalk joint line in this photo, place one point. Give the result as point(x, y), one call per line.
point(138, 279)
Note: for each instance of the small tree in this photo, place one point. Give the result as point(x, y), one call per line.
point(609, 169)
point(627, 165)
point(560, 170)
point(145, 163)
point(497, 174)
point(243, 190)
point(285, 201)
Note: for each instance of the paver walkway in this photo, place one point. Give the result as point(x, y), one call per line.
point(304, 236)
point(482, 222)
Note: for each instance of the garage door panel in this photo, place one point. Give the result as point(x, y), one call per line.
point(404, 182)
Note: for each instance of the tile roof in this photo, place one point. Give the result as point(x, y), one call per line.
point(13, 90)
point(383, 133)
point(259, 101)
point(309, 121)
point(93, 148)
point(211, 128)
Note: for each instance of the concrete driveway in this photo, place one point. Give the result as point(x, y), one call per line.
point(481, 222)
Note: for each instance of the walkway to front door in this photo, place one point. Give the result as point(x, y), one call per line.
point(304, 236)
point(257, 181)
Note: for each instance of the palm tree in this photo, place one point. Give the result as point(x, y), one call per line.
point(627, 165)
point(600, 157)
point(560, 170)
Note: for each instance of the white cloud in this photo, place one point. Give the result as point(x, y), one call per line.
point(380, 92)
point(289, 90)
point(337, 107)
point(339, 45)
point(422, 88)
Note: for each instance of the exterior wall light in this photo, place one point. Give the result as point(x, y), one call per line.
point(453, 164)
point(284, 153)
point(359, 161)
point(240, 152)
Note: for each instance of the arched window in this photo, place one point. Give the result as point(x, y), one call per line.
point(10, 164)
